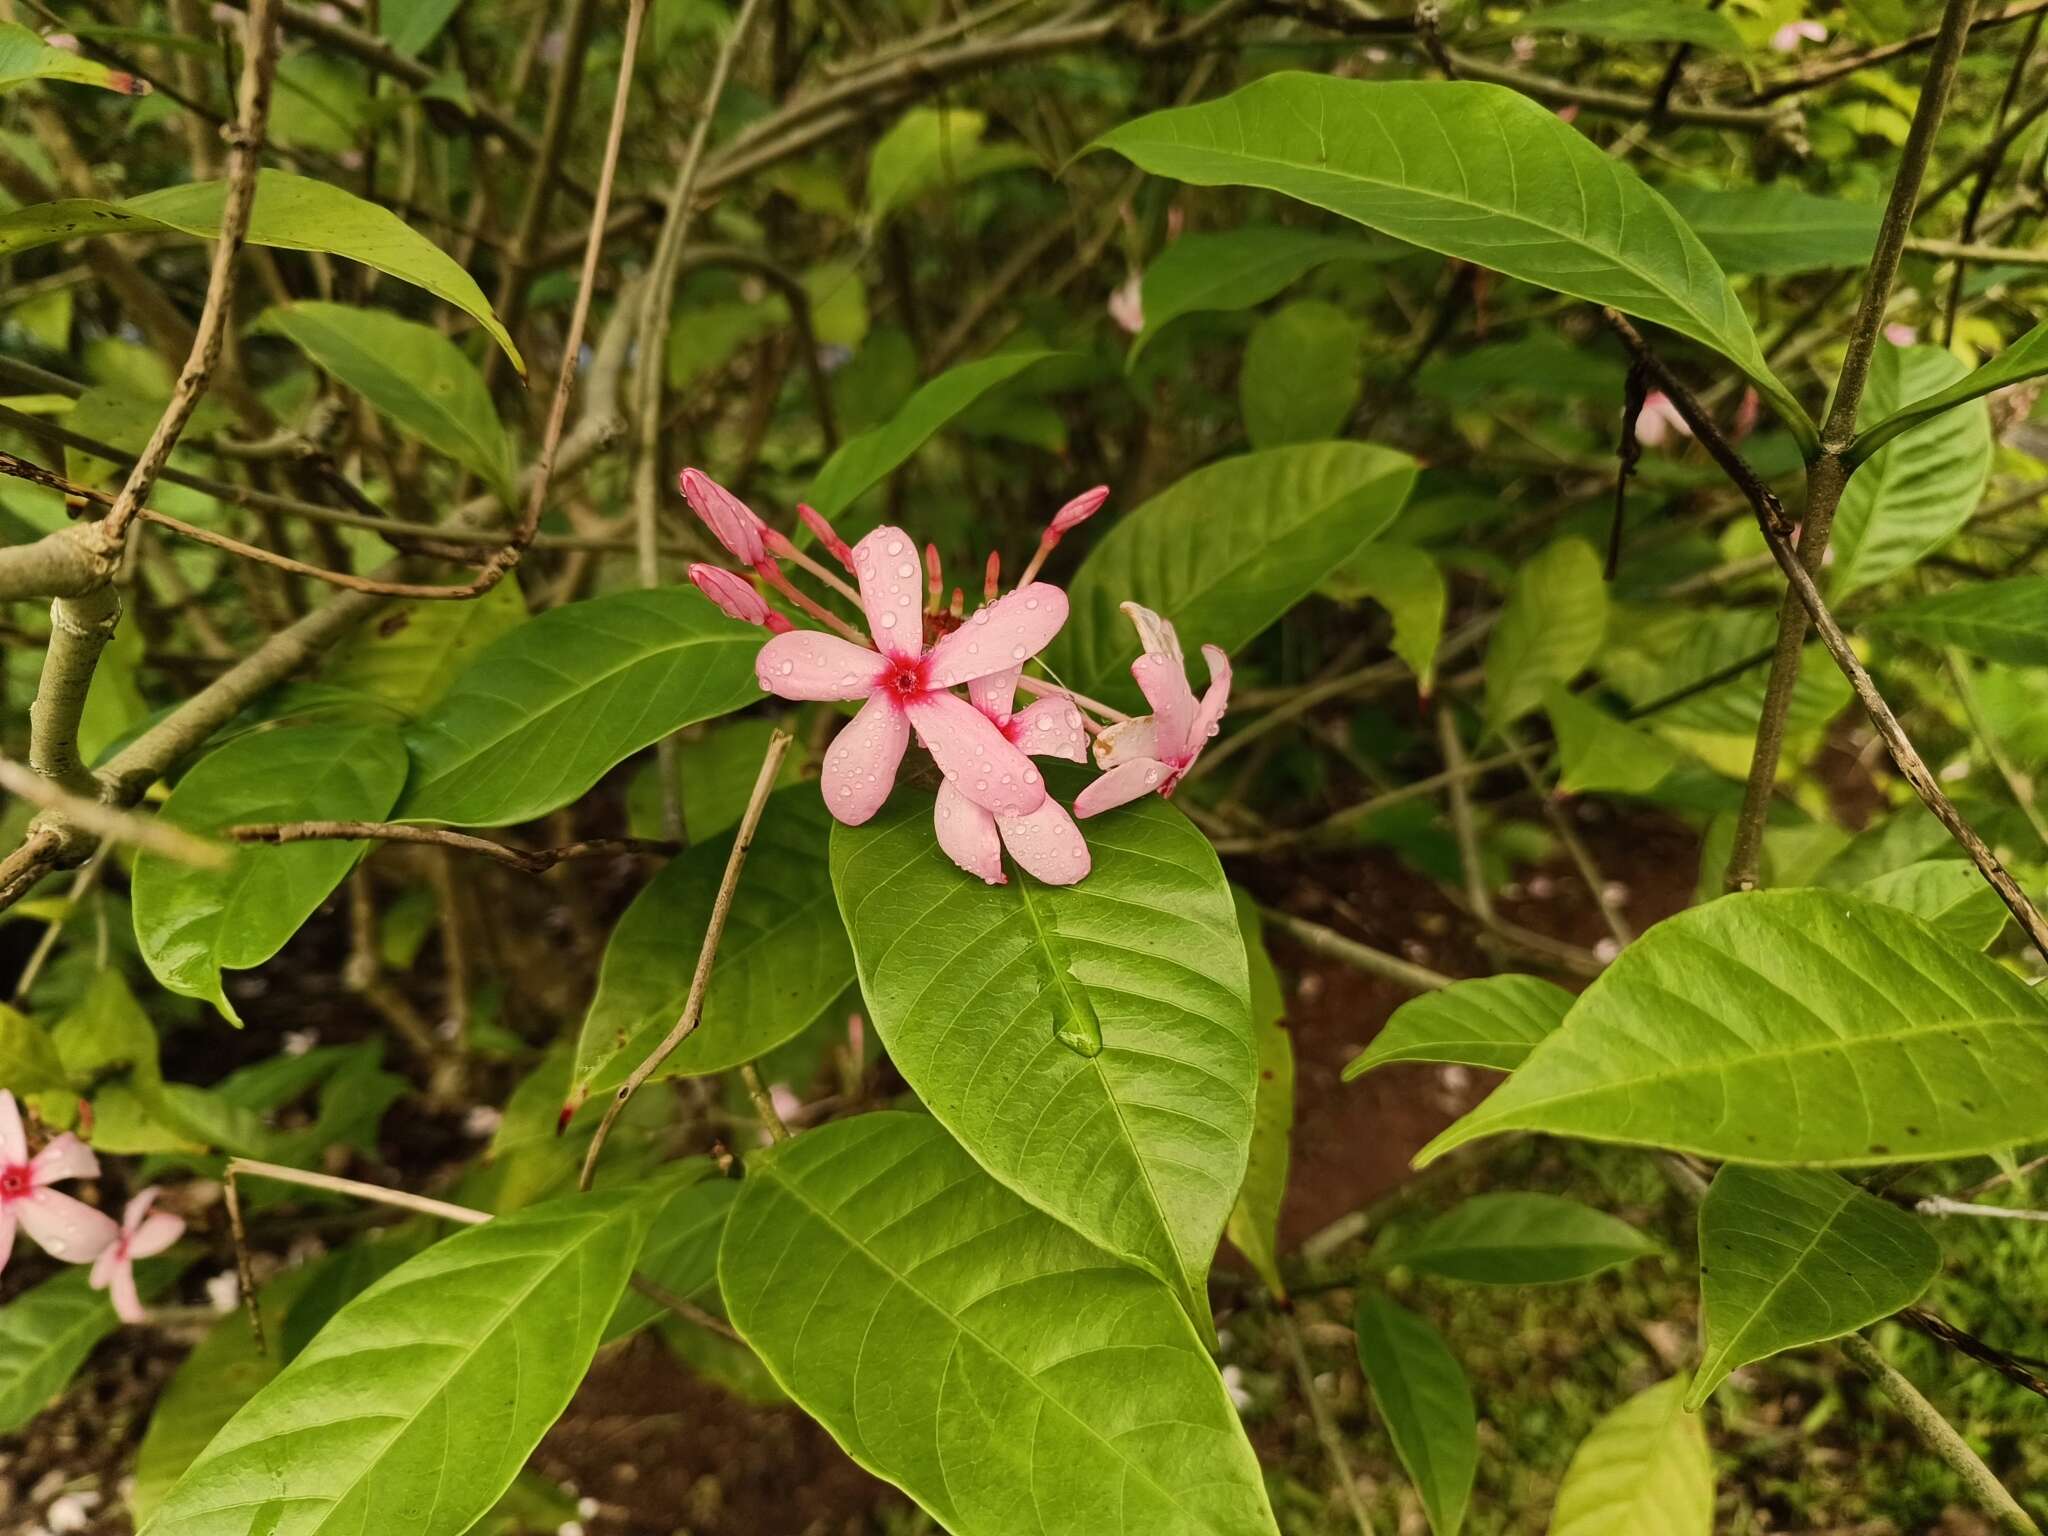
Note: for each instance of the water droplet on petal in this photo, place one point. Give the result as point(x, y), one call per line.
point(1018, 653)
point(1214, 729)
point(1045, 722)
point(888, 621)
point(846, 792)
point(1074, 718)
point(1030, 605)
point(981, 615)
point(1151, 775)
point(906, 570)
point(895, 546)
point(982, 785)
point(788, 667)
point(1030, 775)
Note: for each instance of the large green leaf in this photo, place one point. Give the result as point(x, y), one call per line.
point(1254, 1224)
point(933, 147)
point(412, 651)
point(25, 58)
point(1949, 893)
point(1643, 1471)
point(1141, 1147)
point(862, 462)
point(1421, 1393)
point(1225, 551)
point(548, 709)
point(2003, 620)
point(1910, 497)
point(2025, 359)
point(417, 1405)
point(1003, 1372)
point(1491, 1021)
point(193, 923)
point(1788, 1027)
point(1303, 366)
point(1237, 269)
point(45, 1334)
point(1551, 627)
point(1636, 21)
point(411, 372)
point(783, 960)
point(1474, 171)
point(292, 213)
point(1792, 1256)
point(1778, 230)
point(1517, 1237)
point(681, 1255)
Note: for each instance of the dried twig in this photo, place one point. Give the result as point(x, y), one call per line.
point(532, 861)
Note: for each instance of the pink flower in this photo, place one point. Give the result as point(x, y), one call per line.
point(67, 1229)
point(1155, 751)
point(1127, 304)
point(143, 1235)
point(731, 521)
point(1659, 421)
point(1900, 334)
point(905, 686)
point(1787, 39)
point(1045, 843)
point(736, 597)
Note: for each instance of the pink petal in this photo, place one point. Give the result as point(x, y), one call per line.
point(13, 1140)
point(65, 1158)
point(1163, 679)
point(1216, 700)
point(1125, 740)
point(1120, 786)
point(968, 835)
point(996, 694)
point(886, 563)
point(67, 1229)
point(127, 1304)
point(103, 1266)
point(1046, 844)
point(1051, 728)
point(975, 755)
point(999, 635)
point(808, 664)
point(155, 1234)
point(861, 763)
point(731, 521)
point(6, 1235)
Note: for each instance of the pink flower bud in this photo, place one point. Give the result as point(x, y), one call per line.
point(934, 578)
point(1076, 512)
point(736, 597)
point(825, 534)
point(731, 521)
point(993, 577)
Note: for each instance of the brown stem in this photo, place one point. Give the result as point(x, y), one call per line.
point(531, 861)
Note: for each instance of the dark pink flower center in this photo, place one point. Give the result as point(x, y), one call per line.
point(16, 1181)
point(906, 679)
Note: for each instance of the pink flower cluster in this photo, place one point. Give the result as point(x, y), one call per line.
point(69, 1229)
point(931, 670)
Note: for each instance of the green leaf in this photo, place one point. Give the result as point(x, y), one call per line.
point(1550, 628)
point(1599, 752)
point(1225, 551)
point(860, 463)
point(192, 924)
point(1910, 497)
point(718, 773)
point(1949, 893)
point(930, 148)
point(985, 1359)
point(681, 1255)
point(1643, 1471)
point(1636, 21)
point(783, 961)
point(1520, 1238)
point(1661, 656)
point(29, 1060)
point(546, 710)
point(2003, 620)
point(292, 213)
point(1778, 230)
point(412, 651)
point(1492, 1021)
point(1409, 584)
point(45, 1335)
point(410, 372)
point(1237, 269)
point(1787, 1027)
point(1141, 1148)
point(1422, 1395)
point(1792, 1256)
point(1254, 1224)
point(417, 1405)
point(1542, 366)
point(25, 57)
point(2025, 359)
point(1303, 366)
point(1473, 171)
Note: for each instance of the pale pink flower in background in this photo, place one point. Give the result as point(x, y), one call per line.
point(1155, 751)
point(736, 597)
point(143, 1234)
point(1046, 844)
point(1794, 34)
point(1127, 304)
point(1659, 421)
point(1747, 409)
point(65, 1228)
point(904, 686)
point(1901, 335)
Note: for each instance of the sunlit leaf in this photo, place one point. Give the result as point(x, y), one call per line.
point(2025, 359)
point(1643, 1471)
point(931, 148)
point(1599, 752)
point(1254, 1225)
point(1550, 628)
point(1949, 893)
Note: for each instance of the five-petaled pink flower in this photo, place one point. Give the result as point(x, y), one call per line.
point(1790, 37)
point(143, 1235)
point(905, 686)
point(67, 1229)
point(1155, 751)
point(1045, 843)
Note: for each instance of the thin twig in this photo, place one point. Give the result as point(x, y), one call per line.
point(1941, 1205)
point(1464, 826)
point(1335, 946)
point(398, 1199)
point(764, 1102)
point(532, 861)
point(1870, 58)
point(700, 980)
point(1326, 1427)
point(110, 824)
